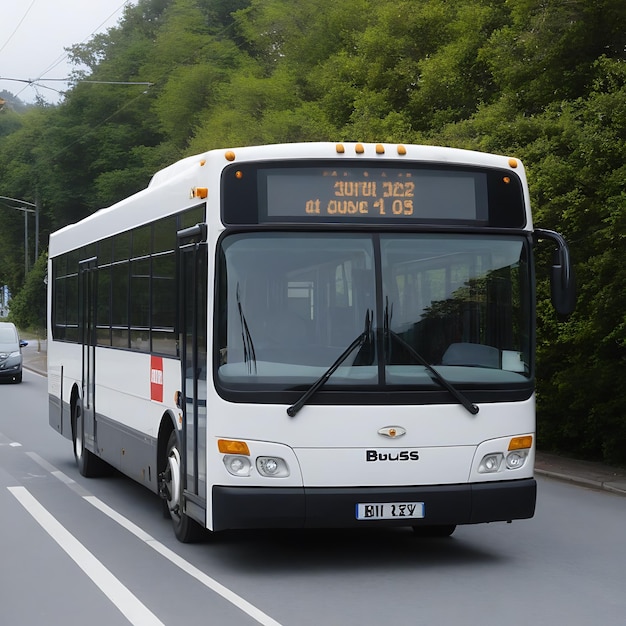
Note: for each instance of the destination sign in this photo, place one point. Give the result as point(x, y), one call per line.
point(371, 192)
point(381, 194)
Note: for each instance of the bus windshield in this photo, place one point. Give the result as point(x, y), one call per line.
point(289, 304)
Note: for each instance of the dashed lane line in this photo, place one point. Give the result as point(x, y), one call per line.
point(127, 603)
point(209, 582)
point(192, 570)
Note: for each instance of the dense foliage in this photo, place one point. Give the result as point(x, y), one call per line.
point(541, 80)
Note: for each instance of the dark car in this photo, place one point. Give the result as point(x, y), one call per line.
point(10, 353)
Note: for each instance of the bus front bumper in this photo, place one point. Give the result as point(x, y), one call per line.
point(335, 507)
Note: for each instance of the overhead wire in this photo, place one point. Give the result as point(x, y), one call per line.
point(35, 82)
point(119, 109)
point(17, 27)
point(4, 45)
point(62, 57)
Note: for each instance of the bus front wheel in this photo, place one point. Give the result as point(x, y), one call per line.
point(186, 529)
point(89, 464)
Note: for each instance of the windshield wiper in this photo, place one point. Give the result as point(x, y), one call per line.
point(449, 387)
point(364, 337)
point(249, 355)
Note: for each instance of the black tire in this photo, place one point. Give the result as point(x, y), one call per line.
point(443, 530)
point(186, 529)
point(89, 465)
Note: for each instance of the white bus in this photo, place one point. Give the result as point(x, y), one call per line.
point(308, 335)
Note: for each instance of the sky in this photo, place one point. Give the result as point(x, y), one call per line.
point(34, 33)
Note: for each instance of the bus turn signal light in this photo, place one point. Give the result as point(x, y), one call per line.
point(521, 443)
point(199, 192)
point(228, 446)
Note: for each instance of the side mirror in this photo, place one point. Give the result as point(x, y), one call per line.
point(562, 281)
point(562, 286)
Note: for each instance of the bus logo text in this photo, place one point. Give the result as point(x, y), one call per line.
point(403, 455)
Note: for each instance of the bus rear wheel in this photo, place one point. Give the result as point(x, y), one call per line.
point(186, 529)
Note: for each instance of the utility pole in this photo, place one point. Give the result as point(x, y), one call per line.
point(26, 211)
point(37, 211)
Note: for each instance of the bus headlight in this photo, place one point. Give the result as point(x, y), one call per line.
point(491, 463)
point(516, 459)
point(237, 465)
point(272, 466)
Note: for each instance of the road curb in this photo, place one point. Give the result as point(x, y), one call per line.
point(583, 481)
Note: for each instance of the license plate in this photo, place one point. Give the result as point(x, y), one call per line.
point(389, 510)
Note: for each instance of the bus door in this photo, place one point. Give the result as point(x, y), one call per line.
point(87, 290)
point(193, 282)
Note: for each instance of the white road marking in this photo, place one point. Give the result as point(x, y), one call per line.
point(42, 462)
point(64, 478)
point(128, 604)
point(187, 567)
point(170, 555)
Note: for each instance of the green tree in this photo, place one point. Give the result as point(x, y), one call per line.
point(584, 361)
point(21, 178)
point(28, 307)
point(546, 53)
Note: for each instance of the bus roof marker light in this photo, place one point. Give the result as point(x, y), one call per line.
point(339, 148)
point(380, 149)
point(229, 155)
point(513, 163)
point(401, 150)
point(229, 446)
point(359, 148)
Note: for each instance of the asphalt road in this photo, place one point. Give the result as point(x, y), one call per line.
point(77, 551)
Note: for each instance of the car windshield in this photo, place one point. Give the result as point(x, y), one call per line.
point(289, 304)
point(8, 337)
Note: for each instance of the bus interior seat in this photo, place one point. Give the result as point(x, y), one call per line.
point(472, 355)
